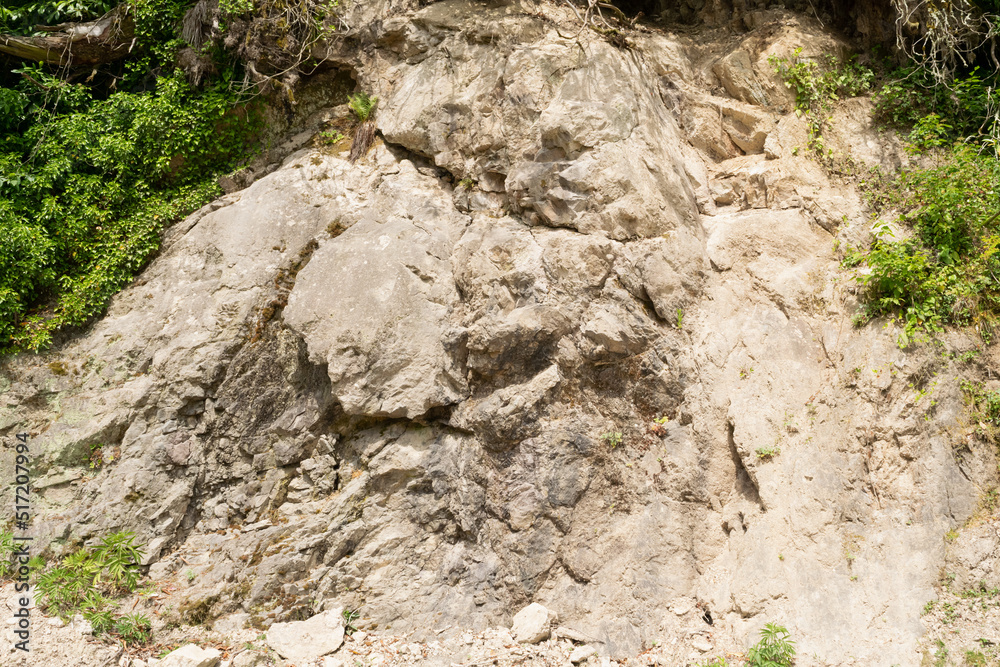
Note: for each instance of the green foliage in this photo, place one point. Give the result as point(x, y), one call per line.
point(20, 16)
point(350, 615)
point(613, 438)
point(983, 409)
point(911, 94)
point(945, 272)
point(331, 136)
point(87, 185)
point(940, 654)
point(768, 452)
point(91, 173)
point(85, 579)
point(718, 661)
point(362, 105)
point(817, 84)
point(6, 553)
point(975, 659)
point(235, 7)
point(775, 648)
point(88, 581)
point(929, 132)
point(133, 629)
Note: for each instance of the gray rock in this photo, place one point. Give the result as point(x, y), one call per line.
point(533, 624)
point(582, 654)
point(701, 643)
point(384, 386)
point(305, 641)
point(191, 655)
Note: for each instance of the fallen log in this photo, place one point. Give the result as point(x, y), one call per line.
point(90, 43)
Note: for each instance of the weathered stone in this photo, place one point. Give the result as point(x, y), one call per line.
point(532, 345)
point(305, 641)
point(191, 655)
point(533, 624)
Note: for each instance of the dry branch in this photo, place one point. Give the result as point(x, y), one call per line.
point(76, 44)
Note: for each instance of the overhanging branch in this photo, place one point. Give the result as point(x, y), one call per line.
point(76, 44)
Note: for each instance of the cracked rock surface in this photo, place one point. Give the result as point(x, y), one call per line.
point(531, 348)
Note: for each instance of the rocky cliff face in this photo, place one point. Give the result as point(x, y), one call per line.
point(535, 346)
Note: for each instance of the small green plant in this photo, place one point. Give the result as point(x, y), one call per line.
point(983, 410)
point(768, 452)
point(940, 654)
point(331, 136)
point(818, 83)
point(87, 578)
point(133, 629)
point(350, 615)
point(467, 183)
point(775, 648)
point(189, 575)
point(680, 318)
point(96, 459)
point(929, 607)
point(982, 590)
point(717, 661)
point(362, 105)
point(975, 659)
point(613, 438)
point(950, 613)
point(745, 372)
point(6, 553)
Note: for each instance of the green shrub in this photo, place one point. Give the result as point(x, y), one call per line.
point(931, 131)
point(818, 83)
point(87, 187)
point(23, 15)
point(911, 94)
point(92, 172)
point(133, 629)
point(946, 272)
point(775, 648)
point(983, 408)
point(87, 579)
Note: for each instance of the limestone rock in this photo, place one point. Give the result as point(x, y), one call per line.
point(701, 643)
point(372, 305)
point(533, 624)
point(581, 654)
point(305, 641)
point(191, 655)
point(396, 384)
